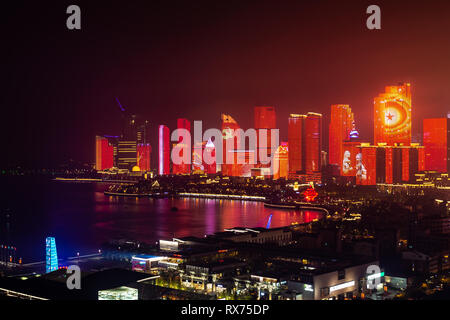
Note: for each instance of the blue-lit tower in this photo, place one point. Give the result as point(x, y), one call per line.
point(51, 257)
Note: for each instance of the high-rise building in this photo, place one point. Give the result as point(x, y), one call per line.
point(281, 161)
point(296, 137)
point(204, 157)
point(305, 145)
point(341, 125)
point(142, 135)
point(104, 153)
point(436, 140)
point(230, 166)
point(183, 168)
point(144, 152)
point(313, 142)
point(126, 154)
point(164, 150)
point(210, 166)
point(265, 118)
point(51, 256)
point(392, 115)
point(197, 157)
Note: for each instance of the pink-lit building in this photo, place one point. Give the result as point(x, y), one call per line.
point(163, 150)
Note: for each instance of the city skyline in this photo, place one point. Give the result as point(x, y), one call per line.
point(253, 151)
point(67, 98)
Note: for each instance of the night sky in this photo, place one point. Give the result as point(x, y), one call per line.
point(198, 59)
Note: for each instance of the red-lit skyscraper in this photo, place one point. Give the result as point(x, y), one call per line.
point(265, 118)
point(144, 152)
point(210, 150)
point(313, 142)
point(183, 168)
point(305, 143)
point(230, 166)
point(104, 153)
point(436, 137)
point(296, 124)
point(392, 115)
point(164, 150)
point(281, 159)
point(341, 124)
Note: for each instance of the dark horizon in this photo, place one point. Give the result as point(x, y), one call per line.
point(171, 59)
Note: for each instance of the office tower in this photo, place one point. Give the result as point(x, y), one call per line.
point(230, 166)
point(183, 168)
point(144, 152)
point(313, 142)
point(164, 150)
point(142, 135)
point(126, 154)
point(51, 257)
point(104, 153)
point(265, 118)
point(204, 157)
point(341, 125)
point(197, 157)
point(392, 115)
point(296, 136)
point(436, 137)
point(210, 149)
point(281, 161)
point(305, 143)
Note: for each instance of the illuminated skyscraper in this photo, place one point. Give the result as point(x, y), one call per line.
point(305, 143)
point(341, 125)
point(197, 157)
point(230, 166)
point(210, 149)
point(144, 152)
point(126, 154)
point(265, 118)
point(104, 153)
point(296, 137)
point(392, 115)
point(313, 142)
point(281, 161)
point(164, 150)
point(436, 138)
point(183, 168)
point(51, 256)
point(204, 157)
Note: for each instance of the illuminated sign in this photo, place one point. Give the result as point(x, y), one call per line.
point(308, 287)
point(342, 286)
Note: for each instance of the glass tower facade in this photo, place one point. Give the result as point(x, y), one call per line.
point(51, 257)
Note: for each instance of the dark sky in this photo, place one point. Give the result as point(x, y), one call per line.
point(197, 59)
